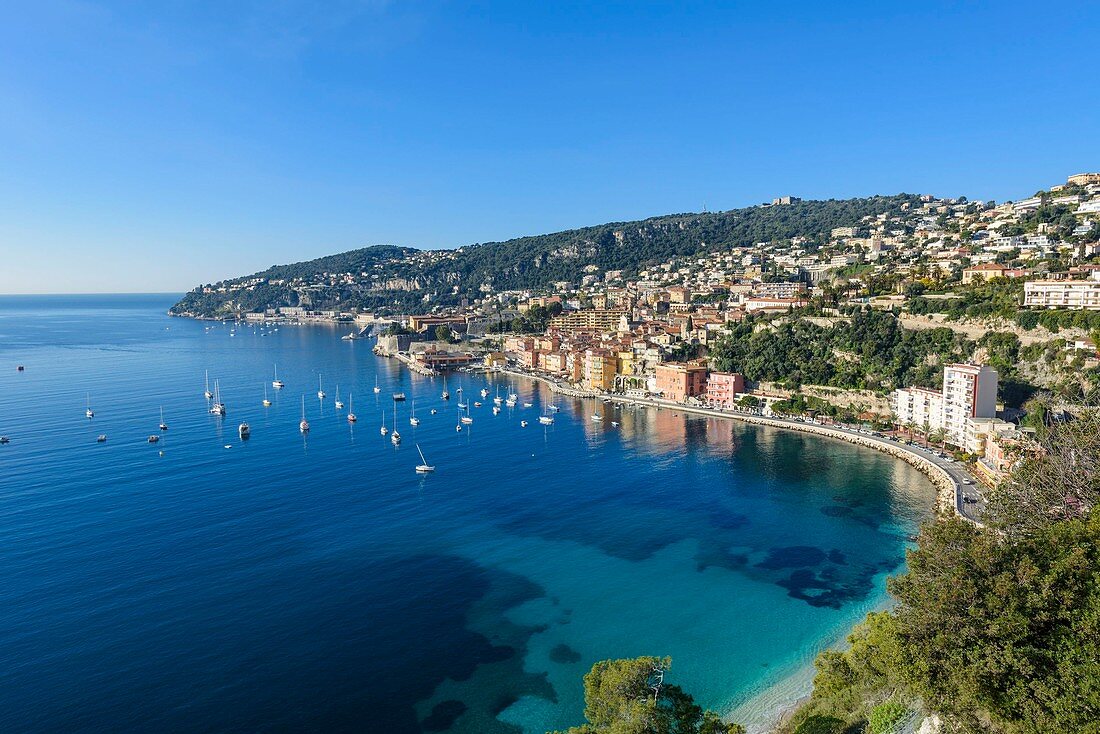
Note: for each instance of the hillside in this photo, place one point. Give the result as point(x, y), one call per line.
point(399, 278)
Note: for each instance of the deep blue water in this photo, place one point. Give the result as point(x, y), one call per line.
point(318, 584)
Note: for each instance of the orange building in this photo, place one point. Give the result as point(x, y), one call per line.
point(599, 369)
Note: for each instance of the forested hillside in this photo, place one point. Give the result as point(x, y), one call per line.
point(400, 277)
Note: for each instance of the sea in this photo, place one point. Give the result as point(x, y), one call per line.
point(317, 583)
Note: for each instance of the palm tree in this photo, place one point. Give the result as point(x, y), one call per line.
point(939, 436)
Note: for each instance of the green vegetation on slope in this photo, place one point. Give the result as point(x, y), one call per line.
point(631, 697)
point(536, 261)
point(997, 629)
point(868, 350)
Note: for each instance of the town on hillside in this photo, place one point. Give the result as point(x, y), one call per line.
point(938, 321)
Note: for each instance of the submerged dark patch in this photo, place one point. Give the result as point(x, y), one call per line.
point(793, 556)
point(564, 654)
point(443, 716)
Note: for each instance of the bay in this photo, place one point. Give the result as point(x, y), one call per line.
point(316, 583)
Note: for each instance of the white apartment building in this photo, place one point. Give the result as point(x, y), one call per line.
point(918, 406)
point(783, 289)
point(969, 391)
point(1072, 294)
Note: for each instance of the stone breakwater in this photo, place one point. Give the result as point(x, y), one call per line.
point(947, 489)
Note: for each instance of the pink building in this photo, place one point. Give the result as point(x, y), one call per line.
point(723, 388)
point(678, 381)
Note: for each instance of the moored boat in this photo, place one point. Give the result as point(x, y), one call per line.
point(423, 467)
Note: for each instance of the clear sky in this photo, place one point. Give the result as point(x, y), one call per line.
point(152, 146)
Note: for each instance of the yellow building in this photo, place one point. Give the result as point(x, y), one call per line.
point(596, 319)
point(625, 363)
point(495, 359)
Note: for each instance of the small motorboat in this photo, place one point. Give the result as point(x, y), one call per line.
point(523, 424)
point(546, 420)
point(5, 439)
point(244, 431)
point(101, 438)
point(477, 404)
point(398, 397)
point(19, 368)
point(528, 405)
point(433, 411)
point(597, 417)
point(154, 438)
point(458, 428)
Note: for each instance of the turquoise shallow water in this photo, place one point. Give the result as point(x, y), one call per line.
point(318, 583)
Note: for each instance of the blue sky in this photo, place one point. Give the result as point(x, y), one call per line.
point(155, 146)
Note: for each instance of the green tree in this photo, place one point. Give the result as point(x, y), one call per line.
point(631, 697)
point(442, 333)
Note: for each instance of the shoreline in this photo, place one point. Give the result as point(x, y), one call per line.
point(948, 487)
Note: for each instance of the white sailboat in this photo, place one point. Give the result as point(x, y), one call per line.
point(303, 426)
point(163, 425)
point(277, 383)
point(207, 392)
point(88, 409)
point(423, 467)
point(466, 418)
point(320, 392)
point(339, 403)
point(446, 395)
point(267, 402)
point(377, 389)
point(413, 420)
point(351, 410)
point(395, 436)
point(218, 408)
point(384, 430)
